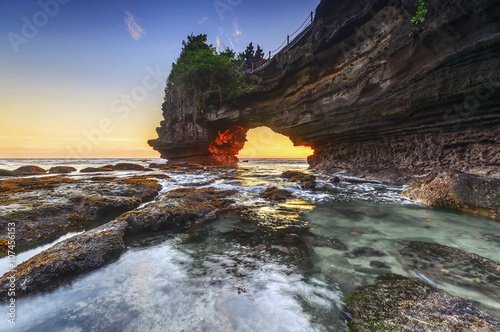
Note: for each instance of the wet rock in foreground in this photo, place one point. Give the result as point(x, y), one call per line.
point(74, 256)
point(46, 208)
point(396, 303)
point(452, 265)
point(178, 209)
point(459, 191)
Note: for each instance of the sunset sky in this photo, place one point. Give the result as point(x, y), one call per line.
point(85, 79)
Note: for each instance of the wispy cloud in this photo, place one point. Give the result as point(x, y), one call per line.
point(218, 44)
point(136, 32)
point(237, 32)
point(203, 20)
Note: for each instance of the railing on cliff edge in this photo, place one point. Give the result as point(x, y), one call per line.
point(285, 46)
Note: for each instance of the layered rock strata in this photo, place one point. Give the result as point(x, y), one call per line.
point(366, 89)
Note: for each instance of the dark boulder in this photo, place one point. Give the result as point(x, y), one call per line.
point(96, 169)
point(28, 170)
point(61, 170)
point(459, 191)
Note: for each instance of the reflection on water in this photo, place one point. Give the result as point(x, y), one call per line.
point(283, 267)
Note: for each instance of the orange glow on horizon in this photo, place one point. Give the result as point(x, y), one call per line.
point(262, 142)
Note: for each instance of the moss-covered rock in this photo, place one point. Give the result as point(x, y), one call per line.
point(66, 259)
point(459, 191)
point(396, 303)
point(46, 208)
point(178, 209)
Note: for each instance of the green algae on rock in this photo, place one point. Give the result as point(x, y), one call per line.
point(452, 266)
point(396, 303)
point(178, 209)
point(66, 259)
point(46, 208)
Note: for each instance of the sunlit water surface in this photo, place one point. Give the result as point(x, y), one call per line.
point(283, 267)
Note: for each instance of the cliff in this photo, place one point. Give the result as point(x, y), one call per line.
point(368, 90)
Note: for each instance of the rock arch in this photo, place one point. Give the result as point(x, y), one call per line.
point(366, 93)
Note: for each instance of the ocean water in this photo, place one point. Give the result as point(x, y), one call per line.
point(272, 267)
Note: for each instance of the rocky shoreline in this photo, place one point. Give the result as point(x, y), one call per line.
point(110, 209)
point(45, 208)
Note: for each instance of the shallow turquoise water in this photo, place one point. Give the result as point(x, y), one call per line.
point(285, 267)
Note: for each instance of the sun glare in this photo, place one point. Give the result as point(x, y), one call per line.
point(262, 142)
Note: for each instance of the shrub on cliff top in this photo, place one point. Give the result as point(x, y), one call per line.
point(200, 69)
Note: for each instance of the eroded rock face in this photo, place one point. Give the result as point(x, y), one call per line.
point(369, 91)
point(459, 191)
point(74, 256)
point(397, 303)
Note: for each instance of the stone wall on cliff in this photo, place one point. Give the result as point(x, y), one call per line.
point(367, 90)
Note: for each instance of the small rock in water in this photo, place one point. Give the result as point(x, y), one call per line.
point(306, 181)
point(29, 170)
point(128, 167)
point(379, 265)
point(95, 170)
point(62, 170)
point(276, 195)
point(334, 179)
point(364, 252)
point(155, 165)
